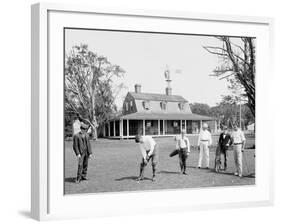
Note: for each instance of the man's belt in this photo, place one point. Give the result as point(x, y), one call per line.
point(240, 143)
point(204, 140)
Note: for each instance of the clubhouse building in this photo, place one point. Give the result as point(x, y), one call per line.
point(156, 115)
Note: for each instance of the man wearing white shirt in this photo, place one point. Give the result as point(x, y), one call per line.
point(204, 140)
point(76, 126)
point(183, 146)
point(148, 148)
point(238, 141)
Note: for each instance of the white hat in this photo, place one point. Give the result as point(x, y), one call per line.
point(205, 125)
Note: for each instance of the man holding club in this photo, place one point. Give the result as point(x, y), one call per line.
point(183, 148)
point(149, 151)
point(238, 141)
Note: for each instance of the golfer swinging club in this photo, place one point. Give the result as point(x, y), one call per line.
point(149, 151)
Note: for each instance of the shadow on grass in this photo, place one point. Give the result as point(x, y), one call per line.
point(70, 179)
point(168, 172)
point(130, 178)
point(223, 172)
point(195, 167)
point(251, 175)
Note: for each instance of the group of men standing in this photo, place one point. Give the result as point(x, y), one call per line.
point(149, 149)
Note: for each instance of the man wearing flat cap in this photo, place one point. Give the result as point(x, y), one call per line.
point(83, 151)
point(204, 141)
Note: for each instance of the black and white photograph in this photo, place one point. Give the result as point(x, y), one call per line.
point(146, 111)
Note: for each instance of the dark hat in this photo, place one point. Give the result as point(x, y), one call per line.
point(137, 138)
point(84, 126)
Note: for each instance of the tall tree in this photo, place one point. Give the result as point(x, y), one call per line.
point(88, 85)
point(238, 65)
point(200, 108)
point(228, 112)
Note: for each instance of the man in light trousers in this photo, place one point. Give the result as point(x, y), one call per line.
point(204, 141)
point(238, 140)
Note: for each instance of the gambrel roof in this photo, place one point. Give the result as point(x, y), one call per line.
point(157, 97)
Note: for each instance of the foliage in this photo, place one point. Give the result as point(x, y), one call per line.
point(238, 66)
point(227, 111)
point(89, 85)
point(200, 108)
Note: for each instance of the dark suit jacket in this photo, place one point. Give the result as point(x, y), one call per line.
point(81, 146)
point(224, 141)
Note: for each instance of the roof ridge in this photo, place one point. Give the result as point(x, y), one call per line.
point(154, 93)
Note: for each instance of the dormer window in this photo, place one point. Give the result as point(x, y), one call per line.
point(131, 105)
point(181, 105)
point(126, 106)
point(146, 105)
point(163, 105)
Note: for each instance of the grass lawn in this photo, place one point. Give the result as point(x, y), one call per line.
point(115, 166)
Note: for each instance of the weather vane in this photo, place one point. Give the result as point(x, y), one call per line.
point(167, 75)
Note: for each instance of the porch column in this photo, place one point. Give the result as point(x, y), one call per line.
point(158, 127)
point(181, 125)
point(114, 131)
point(109, 129)
point(103, 129)
point(163, 127)
point(127, 127)
point(201, 124)
point(143, 127)
point(185, 126)
point(121, 128)
point(216, 128)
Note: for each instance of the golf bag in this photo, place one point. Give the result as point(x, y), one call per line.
point(174, 152)
point(218, 159)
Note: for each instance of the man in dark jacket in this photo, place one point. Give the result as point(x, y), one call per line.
point(83, 151)
point(224, 143)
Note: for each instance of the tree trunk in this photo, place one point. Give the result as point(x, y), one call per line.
point(94, 130)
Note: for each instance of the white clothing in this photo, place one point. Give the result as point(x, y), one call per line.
point(147, 146)
point(204, 152)
point(204, 136)
point(76, 127)
point(238, 136)
point(183, 142)
point(238, 155)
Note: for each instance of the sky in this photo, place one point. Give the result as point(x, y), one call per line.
point(145, 56)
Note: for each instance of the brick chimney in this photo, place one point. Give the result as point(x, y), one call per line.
point(137, 88)
point(168, 91)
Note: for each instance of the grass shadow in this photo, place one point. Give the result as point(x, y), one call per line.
point(251, 175)
point(70, 179)
point(223, 172)
point(130, 178)
point(168, 172)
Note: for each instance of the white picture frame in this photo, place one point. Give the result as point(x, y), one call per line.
point(47, 200)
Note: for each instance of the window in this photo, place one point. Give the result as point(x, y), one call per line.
point(126, 106)
point(181, 105)
point(146, 105)
point(131, 105)
point(163, 105)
